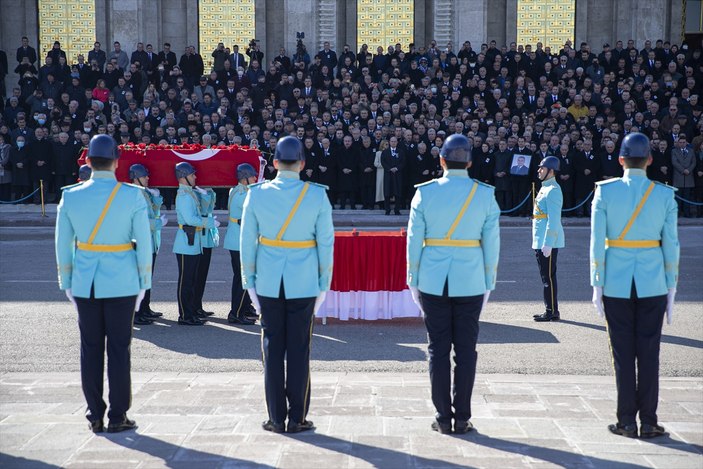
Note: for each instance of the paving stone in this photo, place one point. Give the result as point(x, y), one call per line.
point(675, 461)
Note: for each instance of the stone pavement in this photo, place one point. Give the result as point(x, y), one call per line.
point(363, 420)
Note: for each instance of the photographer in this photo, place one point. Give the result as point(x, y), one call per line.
point(254, 52)
point(301, 59)
point(220, 55)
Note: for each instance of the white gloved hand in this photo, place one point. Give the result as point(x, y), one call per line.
point(670, 305)
point(202, 191)
point(318, 302)
point(254, 299)
point(217, 223)
point(597, 301)
point(164, 220)
point(486, 295)
point(153, 192)
point(415, 293)
point(140, 297)
point(546, 251)
point(69, 295)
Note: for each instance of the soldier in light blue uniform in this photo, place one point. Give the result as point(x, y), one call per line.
point(634, 271)
point(84, 173)
point(548, 234)
point(452, 258)
point(139, 175)
point(103, 253)
point(241, 309)
point(210, 238)
point(188, 245)
point(287, 241)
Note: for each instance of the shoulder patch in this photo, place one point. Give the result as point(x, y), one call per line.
point(607, 181)
point(257, 184)
point(318, 185)
point(665, 185)
point(71, 186)
point(485, 185)
point(426, 183)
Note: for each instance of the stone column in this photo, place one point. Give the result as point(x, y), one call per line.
point(470, 23)
point(18, 18)
point(511, 20)
point(495, 24)
point(300, 16)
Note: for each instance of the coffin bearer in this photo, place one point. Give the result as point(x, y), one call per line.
point(241, 309)
point(452, 261)
point(634, 271)
point(548, 234)
point(103, 252)
point(210, 238)
point(286, 253)
point(188, 243)
point(139, 175)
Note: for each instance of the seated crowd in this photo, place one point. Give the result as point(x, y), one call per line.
point(372, 123)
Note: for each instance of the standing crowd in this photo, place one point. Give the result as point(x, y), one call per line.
point(371, 122)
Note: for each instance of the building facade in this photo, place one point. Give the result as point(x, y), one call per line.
point(274, 23)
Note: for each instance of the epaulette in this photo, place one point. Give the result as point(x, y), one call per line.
point(318, 185)
point(257, 184)
point(71, 186)
point(485, 185)
point(665, 185)
point(426, 183)
point(607, 181)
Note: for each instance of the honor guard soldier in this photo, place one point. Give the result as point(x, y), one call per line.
point(452, 259)
point(286, 254)
point(103, 252)
point(188, 245)
point(240, 310)
point(139, 175)
point(84, 173)
point(634, 271)
point(210, 238)
point(548, 234)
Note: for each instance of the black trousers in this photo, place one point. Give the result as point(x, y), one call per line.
point(548, 273)
point(368, 195)
point(634, 329)
point(106, 322)
point(452, 322)
point(241, 302)
point(504, 199)
point(345, 196)
point(520, 188)
point(201, 278)
point(187, 275)
point(286, 328)
point(145, 307)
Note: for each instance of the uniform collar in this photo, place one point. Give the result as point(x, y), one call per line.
point(629, 172)
point(552, 181)
point(103, 175)
point(184, 186)
point(456, 173)
point(243, 187)
point(287, 175)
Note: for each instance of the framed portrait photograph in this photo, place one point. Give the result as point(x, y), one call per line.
point(520, 165)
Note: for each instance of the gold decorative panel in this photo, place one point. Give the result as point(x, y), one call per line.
point(384, 23)
point(550, 22)
point(228, 21)
point(72, 23)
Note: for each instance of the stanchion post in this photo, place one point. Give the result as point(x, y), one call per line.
point(41, 194)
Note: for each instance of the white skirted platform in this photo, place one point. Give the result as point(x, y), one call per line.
point(369, 305)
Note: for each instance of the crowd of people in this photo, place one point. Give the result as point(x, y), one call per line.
point(372, 123)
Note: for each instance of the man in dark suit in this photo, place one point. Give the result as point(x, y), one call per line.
point(393, 162)
point(327, 170)
point(26, 51)
point(519, 169)
point(348, 172)
point(98, 55)
point(167, 58)
point(236, 59)
point(586, 171)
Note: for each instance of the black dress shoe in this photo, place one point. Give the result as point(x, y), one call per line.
point(294, 427)
point(546, 317)
point(388, 212)
point(153, 314)
point(251, 315)
point(191, 322)
point(652, 431)
point(628, 431)
point(124, 424)
point(443, 428)
point(96, 426)
point(270, 426)
point(201, 313)
point(462, 426)
point(244, 321)
point(397, 212)
point(142, 321)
